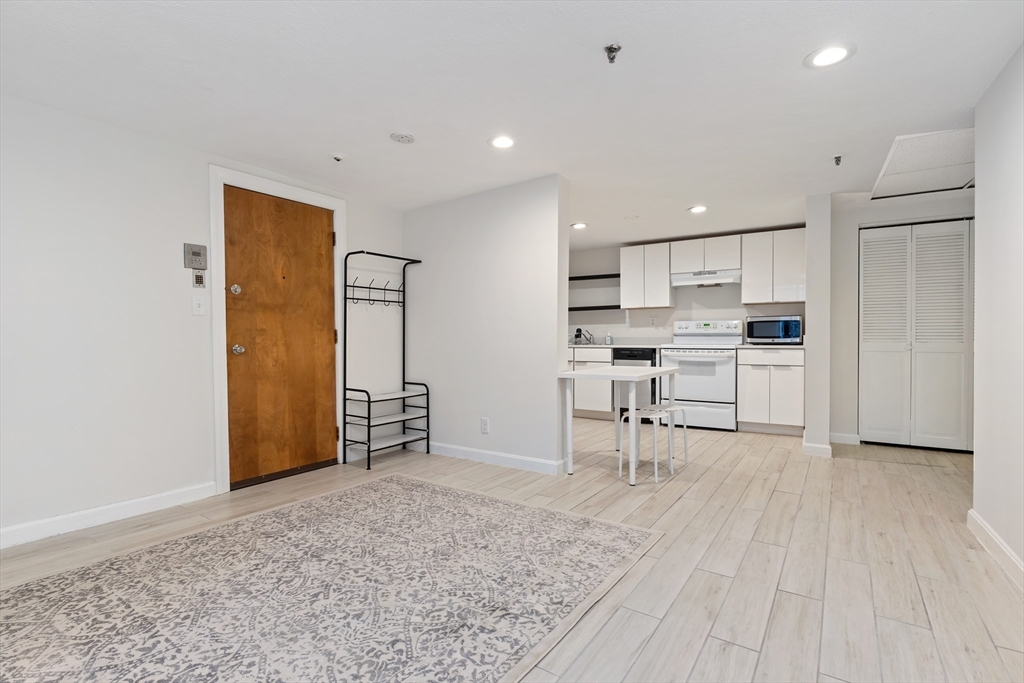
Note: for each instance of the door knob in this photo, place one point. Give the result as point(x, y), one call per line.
point(910, 347)
point(238, 349)
point(235, 289)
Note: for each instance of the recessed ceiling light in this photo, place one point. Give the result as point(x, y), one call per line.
point(700, 208)
point(578, 226)
point(830, 55)
point(632, 217)
point(403, 138)
point(502, 142)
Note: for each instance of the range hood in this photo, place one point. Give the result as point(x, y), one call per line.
point(705, 277)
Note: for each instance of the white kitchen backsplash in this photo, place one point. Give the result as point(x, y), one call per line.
point(635, 326)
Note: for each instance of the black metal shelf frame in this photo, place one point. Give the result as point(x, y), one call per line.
point(352, 293)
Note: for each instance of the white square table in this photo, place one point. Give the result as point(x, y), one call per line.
point(620, 373)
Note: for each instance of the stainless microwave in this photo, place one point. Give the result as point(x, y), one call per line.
point(775, 329)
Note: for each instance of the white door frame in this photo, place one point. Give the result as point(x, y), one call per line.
point(219, 177)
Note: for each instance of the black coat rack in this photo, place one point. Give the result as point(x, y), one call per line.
point(386, 295)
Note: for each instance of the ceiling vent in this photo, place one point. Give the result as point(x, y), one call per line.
point(928, 162)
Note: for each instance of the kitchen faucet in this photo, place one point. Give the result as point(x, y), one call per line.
point(583, 337)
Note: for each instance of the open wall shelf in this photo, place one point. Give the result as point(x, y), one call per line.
point(609, 276)
point(594, 292)
point(595, 308)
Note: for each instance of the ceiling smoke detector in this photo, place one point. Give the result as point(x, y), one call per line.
point(403, 138)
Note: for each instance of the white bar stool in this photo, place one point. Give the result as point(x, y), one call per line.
point(654, 414)
point(680, 417)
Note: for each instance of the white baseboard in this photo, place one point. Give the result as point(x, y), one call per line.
point(996, 546)
point(763, 428)
point(851, 439)
point(521, 462)
point(16, 534)
point(822, 449)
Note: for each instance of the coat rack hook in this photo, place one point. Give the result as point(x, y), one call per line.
point(355, 299)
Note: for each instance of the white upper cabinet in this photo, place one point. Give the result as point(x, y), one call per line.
point(687, 256)
point(631, 277)
point(774, 267)
point(657, 280)
point(721, 253)
point(756, 285)
point(644, 279)
point(712, 253)
point(790, 265)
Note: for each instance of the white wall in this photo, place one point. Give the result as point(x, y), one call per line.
point(849, 212)
point(999, 328)
point(484, 328)
point(107, 389)
point(817, 356)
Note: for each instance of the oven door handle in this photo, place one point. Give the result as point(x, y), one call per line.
point(699, 357)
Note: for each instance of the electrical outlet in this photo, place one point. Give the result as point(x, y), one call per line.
point(485, 425)
point(652, 322)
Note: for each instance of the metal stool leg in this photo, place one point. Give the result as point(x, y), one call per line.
point(686, 451)
point(619, 424)
point(654, 434)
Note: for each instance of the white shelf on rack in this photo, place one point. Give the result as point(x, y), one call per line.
point(378, 420)
point(382, 442)
point(391, 396)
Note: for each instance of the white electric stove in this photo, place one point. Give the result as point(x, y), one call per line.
point(705, 352)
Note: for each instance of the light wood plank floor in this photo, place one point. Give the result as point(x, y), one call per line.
point(774, 565)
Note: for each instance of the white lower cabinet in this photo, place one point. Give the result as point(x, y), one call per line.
point(753, 393)
point(786, 402)
point(770, 387)
point(592, 394)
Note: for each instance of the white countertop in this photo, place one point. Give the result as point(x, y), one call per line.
point(618, 346)
point(770, 346)
point(619, 373)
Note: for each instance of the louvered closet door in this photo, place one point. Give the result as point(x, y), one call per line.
point(941, 287)
point(885, 335)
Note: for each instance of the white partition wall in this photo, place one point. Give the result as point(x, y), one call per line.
point(915, 335)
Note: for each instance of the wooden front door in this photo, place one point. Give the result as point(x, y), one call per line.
point(279, 276)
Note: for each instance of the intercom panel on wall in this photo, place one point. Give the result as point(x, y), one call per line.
point(195, 256)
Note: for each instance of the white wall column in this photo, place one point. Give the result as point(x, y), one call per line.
point(998, 514)
point(487, 333)
point(817, 318)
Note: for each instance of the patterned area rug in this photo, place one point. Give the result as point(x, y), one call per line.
point(396, 579)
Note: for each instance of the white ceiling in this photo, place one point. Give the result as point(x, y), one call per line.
point(708, 102)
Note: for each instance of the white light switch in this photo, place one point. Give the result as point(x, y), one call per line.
point(198, 304)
